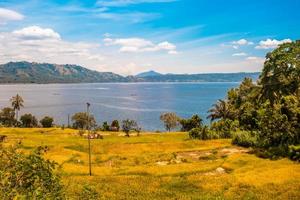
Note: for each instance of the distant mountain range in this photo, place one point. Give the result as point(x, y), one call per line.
point(27, 72)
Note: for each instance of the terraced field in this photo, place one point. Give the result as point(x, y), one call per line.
point(161, 166)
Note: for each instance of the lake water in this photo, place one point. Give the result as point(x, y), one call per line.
point(143, 102)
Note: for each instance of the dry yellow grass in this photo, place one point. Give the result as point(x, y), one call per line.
point(162, 166)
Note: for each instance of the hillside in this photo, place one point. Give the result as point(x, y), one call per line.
point(26, 72)
point(160, 166)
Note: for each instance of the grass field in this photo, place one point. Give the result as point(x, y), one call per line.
point(162, 166)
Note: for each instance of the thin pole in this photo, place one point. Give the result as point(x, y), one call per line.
point(89, 140)
point(68, 120)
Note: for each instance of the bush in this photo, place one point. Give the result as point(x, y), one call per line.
point(87, 193)
point(47, 122)
point(225, 127)
point(200, 133)
point(28, 121)
point(294, 153)
point(28, 176)
point(244, 139)
point(188, 124)
point(80, 120)
point(105, 126)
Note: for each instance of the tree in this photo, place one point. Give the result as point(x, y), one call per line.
point(7, 117)
point(47, 122)
point(28, 120)
point(28, 176)
point(281, 72)
point(170, 120)
point(80, 120)
point(128, 125)
point(188, 124)
point(221, 110)
point(115, 125)
point(105, 126)
point(17, 102)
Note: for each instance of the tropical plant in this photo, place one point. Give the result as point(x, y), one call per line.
point(28, 120)
point(221, 110)
point(188, 124)
point(17, 102)
point(170, 120)
point(28, 176)
point(47, 122)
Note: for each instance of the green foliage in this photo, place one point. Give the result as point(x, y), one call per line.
point(170, 120)
point(80, 120)
point(225, 127)
point(222, 109)
point(115, 125)
point(28, 176)
point(294, 153)
point(7, 117)
point(28, 120)
point(47, 122)
point(201, 133)
point(129, 125)
point(188, 124)
point(105, 126)
point(244, 139)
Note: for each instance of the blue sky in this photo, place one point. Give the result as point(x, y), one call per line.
point(131, 36)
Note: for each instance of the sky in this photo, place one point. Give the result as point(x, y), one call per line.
point(131, 36)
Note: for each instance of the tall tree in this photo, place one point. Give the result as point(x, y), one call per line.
point(17, 102)
point(221, 110)
point(170, 120)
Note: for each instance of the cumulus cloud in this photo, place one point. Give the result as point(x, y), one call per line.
point(271, 44)
point(36, 33)
point(242, 42)
point(9, 15)
point(239, 54)
point(45, 45)
point(140, 45)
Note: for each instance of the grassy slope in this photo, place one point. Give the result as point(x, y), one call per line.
point(163, 166)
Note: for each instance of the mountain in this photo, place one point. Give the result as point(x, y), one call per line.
point(210, 77)
point(147, 74)
point(26, 72)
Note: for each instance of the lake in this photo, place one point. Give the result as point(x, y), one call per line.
point(143, 102)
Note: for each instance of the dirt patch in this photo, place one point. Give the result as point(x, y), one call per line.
point(229, 151)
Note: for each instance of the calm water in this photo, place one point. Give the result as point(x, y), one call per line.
point(143, 102)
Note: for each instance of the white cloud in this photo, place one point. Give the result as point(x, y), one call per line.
point(239, 54)
point(36, 33)
point(271, 44)
point(45, 45)
point(9, 15)
point(242, 42)
point(121, 3)
point(140, 45)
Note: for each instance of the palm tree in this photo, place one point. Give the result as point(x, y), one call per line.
point(17, 102)
point(221, 110)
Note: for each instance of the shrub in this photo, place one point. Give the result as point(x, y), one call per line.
point(200, 133)
point(194, 133)
point(294, 153)
point(28, 176)
point(129, 125)
point(7, 117)
point(244, 138)
point(47, 122)
point(105, 126)
point(29, 121)
point(188, 124)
